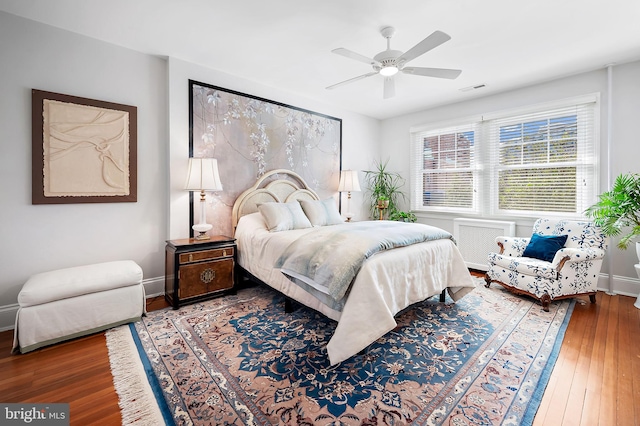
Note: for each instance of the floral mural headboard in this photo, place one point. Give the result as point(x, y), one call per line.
point(250, 136)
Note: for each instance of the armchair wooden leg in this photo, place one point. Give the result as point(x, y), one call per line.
point(487, 280)
point(592, 298)
point(546, 301)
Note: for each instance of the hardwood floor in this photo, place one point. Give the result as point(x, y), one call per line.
point(596, 380)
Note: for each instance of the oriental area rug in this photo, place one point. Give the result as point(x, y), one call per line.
point(484, 360)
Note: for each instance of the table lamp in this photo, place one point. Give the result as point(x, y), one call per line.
point(348, 182)
point(203, 176)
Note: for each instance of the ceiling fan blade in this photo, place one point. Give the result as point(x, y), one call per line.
point(353, 55)
point(389, 88)
point(433, 72)
point(431, 42)
point(351, 80)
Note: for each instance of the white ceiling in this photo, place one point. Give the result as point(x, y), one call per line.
point(287, 44)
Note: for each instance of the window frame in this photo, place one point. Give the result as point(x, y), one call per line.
point(485, 158)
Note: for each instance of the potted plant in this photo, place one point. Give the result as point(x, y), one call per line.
point(619, 209)
point(402, 216)
point(383, 202)
point(383, 185)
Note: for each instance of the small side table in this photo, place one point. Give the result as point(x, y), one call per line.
point(197, 270)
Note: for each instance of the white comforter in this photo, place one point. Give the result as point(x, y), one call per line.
point(387, 283)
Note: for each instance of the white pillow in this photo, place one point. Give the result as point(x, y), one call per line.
point(283, 216)
point(321, 213)
point(252, 222)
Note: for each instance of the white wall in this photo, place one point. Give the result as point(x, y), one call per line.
point(37, 238)
point(624, 148)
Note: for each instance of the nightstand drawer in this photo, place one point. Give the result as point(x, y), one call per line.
point(203, 278)
point(204, 255)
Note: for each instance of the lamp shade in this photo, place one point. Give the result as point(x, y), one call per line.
point(203, 175)
point(349, 181)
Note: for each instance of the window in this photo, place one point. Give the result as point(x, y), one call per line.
point(445, 162)
point(531, 163)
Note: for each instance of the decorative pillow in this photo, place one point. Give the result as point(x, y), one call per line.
point(283, 216)
point(321, 213)
point(544, 247)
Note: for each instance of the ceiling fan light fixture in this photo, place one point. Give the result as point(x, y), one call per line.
point(390, 62)
point(389, 70)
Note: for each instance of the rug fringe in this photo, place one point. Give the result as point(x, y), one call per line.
point(137, 403)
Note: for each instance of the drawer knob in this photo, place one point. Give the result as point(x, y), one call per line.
point(190, 258)
point(224, 252)
point(207, 275)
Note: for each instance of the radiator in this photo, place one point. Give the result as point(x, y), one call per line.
point(477, 238)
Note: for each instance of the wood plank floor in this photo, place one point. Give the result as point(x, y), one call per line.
point(596, 380)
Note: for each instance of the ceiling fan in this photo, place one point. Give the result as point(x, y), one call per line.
point(389, 62)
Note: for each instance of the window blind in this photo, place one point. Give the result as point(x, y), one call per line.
point(443, 169)
point(544, 162)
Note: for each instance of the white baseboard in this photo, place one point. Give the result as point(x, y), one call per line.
point(155, 287)
point(152, 287)
point(625, 286)
point(8, 316)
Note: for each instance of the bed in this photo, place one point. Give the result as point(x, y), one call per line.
point(386, 283)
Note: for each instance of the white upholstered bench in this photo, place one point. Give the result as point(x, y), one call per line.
point(68, 303)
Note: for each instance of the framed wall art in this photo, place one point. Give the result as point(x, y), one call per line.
point(83, 150)
point(249, 136)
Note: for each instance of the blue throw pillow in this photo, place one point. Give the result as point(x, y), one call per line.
point(544, 247)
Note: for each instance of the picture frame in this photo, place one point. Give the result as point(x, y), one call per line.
point(250, 135)
point(83, 150)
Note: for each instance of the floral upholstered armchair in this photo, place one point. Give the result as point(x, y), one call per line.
point(561, 259)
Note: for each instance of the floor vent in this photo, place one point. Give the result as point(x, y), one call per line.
point(476, 238)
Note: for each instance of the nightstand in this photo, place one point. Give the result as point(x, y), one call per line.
point(197, 270)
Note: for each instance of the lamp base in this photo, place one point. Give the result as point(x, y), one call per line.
point(202, 230)
point(202, 236)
